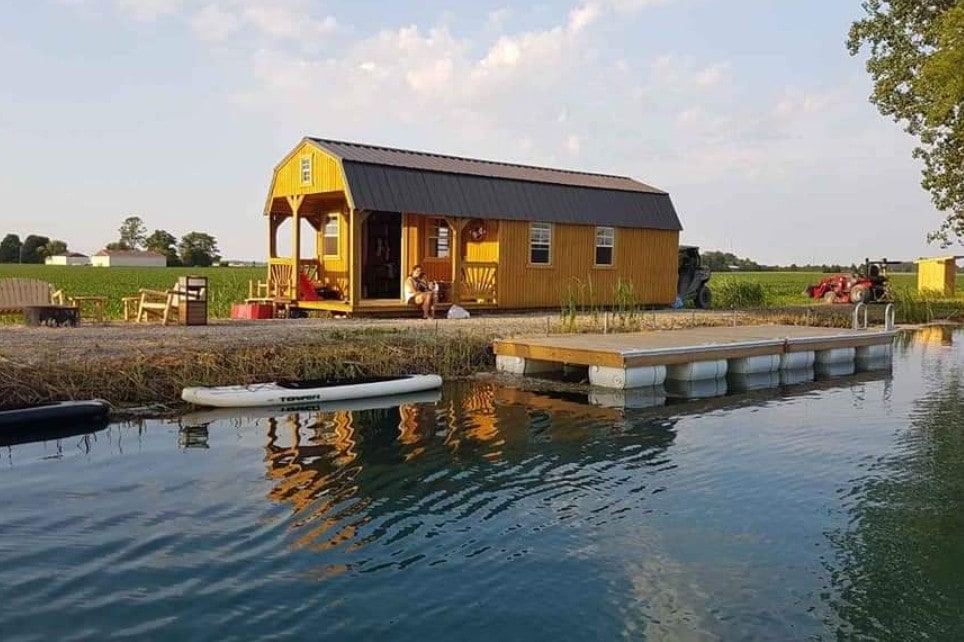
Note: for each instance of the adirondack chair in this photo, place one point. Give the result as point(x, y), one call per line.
point(18, 293)
point(157, 303)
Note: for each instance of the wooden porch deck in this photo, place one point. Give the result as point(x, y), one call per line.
point(669, 347)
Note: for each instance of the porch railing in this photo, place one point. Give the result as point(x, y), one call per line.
point(479, 282)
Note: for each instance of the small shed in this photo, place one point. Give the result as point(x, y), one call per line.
point(70, 258)
point(128, 258)
point(937, 274)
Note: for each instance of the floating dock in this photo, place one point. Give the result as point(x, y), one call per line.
point(648, 359)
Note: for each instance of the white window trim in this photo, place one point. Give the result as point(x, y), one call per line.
point(550, 229)
point(325, 236)
point(428, 238)
point(597, 245)
point(311, 170)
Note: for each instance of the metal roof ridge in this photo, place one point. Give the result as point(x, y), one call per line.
point(481, 161)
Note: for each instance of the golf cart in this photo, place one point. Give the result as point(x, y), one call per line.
point(693, 278)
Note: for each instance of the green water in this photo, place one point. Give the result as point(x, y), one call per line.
point(827, 510)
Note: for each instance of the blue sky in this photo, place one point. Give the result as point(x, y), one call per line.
point(749, 112)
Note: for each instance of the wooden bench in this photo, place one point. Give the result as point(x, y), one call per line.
point(19, 293)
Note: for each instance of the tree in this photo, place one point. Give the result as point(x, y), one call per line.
point(198, 249)
point(10, 249)
point(53, 248)
point(30, 250)
point(117, 245)
point(133, 232)
point(916, 58)
point(163, 242)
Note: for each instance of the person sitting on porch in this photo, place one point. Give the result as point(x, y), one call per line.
point(420, 293)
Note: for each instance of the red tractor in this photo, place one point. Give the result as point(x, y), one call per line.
point(868, 285)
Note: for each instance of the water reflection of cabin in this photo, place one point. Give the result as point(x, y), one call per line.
point(495, 235)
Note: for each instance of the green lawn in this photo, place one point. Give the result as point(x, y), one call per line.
point(225, 285)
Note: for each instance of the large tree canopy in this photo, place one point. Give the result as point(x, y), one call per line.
point(10, 249)
point(198, 249)
point(163, 242)
point(916, 61)
point(132, 232)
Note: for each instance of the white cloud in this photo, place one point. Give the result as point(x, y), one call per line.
point(712, 75)
point(584, 16)
point(286, 23)
point(213, 24)
point(632, 6)
point(573, 144)
point(497, 18)
point(147, 10)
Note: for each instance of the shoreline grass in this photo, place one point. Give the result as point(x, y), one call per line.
point(132, 377)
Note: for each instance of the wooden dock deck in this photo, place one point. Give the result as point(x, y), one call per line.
point(648, 358)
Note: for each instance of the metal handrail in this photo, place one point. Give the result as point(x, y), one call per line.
point(890, 318)
point(856, 318)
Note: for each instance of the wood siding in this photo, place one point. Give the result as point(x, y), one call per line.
point(646, 258)
point(335, 270)
point(415, 231)
point(326, 175)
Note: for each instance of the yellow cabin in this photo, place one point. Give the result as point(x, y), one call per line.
point(937, 275)
point(494, 235)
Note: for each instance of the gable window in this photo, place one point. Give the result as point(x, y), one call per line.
point(605, 242)
point(439, 239)
point(305, 170)
point(330, 233)
point(540, 243)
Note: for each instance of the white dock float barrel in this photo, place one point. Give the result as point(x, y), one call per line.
point(633, 399)
point(880, 351)
point(836, 355)
point(523, 366)
point(843, 369)
point(799, 375)
point(623, 378)
point(697, 370)
point(754, 381)
point(754, 365)
point(702, 389)
point(797, 360)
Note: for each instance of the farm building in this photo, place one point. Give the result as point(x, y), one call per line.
point(128, 258)
point(495, 235)
point(70, 258)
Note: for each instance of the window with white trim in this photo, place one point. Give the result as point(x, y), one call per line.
point(330, 233)
point(540, 243)
point(305, 170)
point(439, 239)
point(605, 245)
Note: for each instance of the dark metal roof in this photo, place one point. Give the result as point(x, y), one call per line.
point(381, 178)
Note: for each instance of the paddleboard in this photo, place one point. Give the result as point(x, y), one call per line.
point(348, 405)
point(52, 421)
point(306, 392)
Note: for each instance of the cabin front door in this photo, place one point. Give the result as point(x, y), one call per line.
point(382, 256)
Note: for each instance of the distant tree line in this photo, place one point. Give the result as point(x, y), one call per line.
point(728, 262)
point(33, 249)
point(194, 249)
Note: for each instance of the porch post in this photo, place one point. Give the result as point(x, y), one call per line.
point(456, 225)
point(356, 219)
point(295, 203)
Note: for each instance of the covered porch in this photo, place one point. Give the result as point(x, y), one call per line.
point(360, 258)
